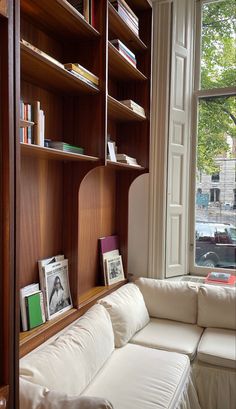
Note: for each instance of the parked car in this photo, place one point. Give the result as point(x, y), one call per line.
point(215, 245)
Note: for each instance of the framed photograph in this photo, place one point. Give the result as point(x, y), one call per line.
point(114, 269)
point(111, 151)
point(57, 289)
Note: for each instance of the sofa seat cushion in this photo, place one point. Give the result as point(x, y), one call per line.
point(128, 312)
point(136, 377)
point(170, 300)
point(218, 347)
point(71, 361)
point(170, 336)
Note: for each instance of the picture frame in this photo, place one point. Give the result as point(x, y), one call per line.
point(57, 288)
point(114, 269)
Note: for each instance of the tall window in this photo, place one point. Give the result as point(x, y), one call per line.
point(215, 136)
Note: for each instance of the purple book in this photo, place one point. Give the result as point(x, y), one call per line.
point(108, 243)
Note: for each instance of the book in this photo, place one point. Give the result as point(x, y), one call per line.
point(25, 291)
point(37, 134)
point(127, 9)
point(75, 67)
point(122, 157)
point(215, 276)
point(124, 52)
point(134, 106)
point(57, 289)
point(65, 147)
point(35, 309)
point(126, 16)
point(114, 269)
point(118, 44)
point(108, 247)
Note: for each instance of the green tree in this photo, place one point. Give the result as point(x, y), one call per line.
point(217, 117)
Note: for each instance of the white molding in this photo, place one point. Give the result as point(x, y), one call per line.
point(159, 137)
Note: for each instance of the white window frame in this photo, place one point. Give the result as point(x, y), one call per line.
point(197, 95)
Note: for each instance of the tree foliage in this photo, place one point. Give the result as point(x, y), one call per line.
point(217, 116)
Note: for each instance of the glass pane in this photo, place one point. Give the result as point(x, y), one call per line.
point(218, 44)
point(215, 223)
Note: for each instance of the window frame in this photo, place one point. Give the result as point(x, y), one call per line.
point(197, 95)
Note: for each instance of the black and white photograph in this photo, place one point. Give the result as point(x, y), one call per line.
point(114, 269)
point(57, 288)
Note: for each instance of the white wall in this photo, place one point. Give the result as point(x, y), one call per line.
point(138, 226)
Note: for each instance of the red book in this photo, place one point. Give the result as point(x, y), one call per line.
point(220, 278)
point(108, 243)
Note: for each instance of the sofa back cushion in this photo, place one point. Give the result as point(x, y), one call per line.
point(172, 300)
point(71, 361)
point(217, 307)
point(127, 311)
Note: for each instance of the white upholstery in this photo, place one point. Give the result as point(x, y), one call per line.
point(171, 300)
point(218, 347)
point(137, 377)
point(170, 336)
point(127, 311)
point(217, 307)
point(34, 396)
point(70, 362)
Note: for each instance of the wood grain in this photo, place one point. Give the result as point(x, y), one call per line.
point(4, 8)
point(121, 68)
point(54, 154)
point(4, 395)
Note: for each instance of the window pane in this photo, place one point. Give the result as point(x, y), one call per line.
point(218, 44)
point(215, 223)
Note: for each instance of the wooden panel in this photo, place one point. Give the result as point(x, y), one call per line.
point(3, 7)
point(119, 29)
point(121, 113)
point(46, 73)
point(58, 17)
point(54, 154)
point(140, 4)
point(41, 214)
point(97, 209)
point(120, 67)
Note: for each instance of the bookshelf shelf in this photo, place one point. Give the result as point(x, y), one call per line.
point(121, 113)
point(49, 153)
point(121, 68)
point(140, 4)
point(123, 166)
point(122, 31)
point(25, 124)
point(97, 292)
point(59, 17)
point(40, 70)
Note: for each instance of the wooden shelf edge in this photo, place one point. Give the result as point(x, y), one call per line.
point(136, 41)
point(56, 154)
point(91, 296)
point(123, 113)
point(124, 166)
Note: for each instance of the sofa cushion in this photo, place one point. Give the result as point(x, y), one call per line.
point(171, 300)
point(217, 307)
point(70, 362)
point(127, 311)
point(34, 396)
point(136, 377)
point(170, 336)
point(218, 347)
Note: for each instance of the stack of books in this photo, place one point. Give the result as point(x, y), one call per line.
point(125, 51)
point(111, 260)
point(82, 73)
point(123, 158)
point(26, 114)
point(65, 147)
point(134, 106)
point(127, 14)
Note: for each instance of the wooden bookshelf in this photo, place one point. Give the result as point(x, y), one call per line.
point(122, 31)
point(54, 154)
point(40, 70)
point(59, 17)
point(121, 113)
point(121, 68)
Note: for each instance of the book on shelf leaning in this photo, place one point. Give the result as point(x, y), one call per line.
point(35, 309)
point(24, 292)
point(127, 15)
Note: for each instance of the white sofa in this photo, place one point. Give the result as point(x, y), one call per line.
point(136, 353)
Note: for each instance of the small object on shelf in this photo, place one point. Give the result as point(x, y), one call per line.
point(111, 151)
point(83, 72)
point(85, 8)
point(221, 278)
point(46, 142)
point(123, 158)
point(66, 147)
point(125, 51)
point(26, 122)
point(35, 309)
point(108, 247)
point(25, 291)
point(127, 15)
point(114, 269)
point(134, 106)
